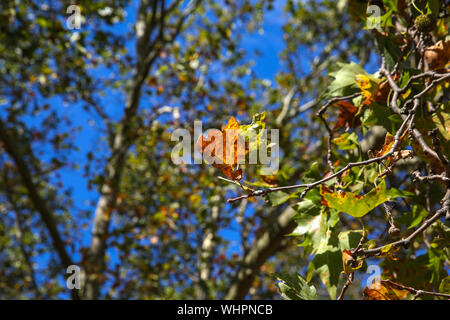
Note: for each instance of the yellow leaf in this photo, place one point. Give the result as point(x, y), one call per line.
point(388, 143)
point(369, 87)
point(388, 252)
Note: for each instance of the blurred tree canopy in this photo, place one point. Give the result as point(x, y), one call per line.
point(363, 112)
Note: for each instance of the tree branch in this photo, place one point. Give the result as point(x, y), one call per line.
point(263, 248)
point(38, 202)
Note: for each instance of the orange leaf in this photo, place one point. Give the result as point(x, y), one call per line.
point(217, 148)
point(385, 290)
point(388, 143)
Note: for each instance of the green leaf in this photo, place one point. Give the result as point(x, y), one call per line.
point(349, 239)
point(307, 220)
point(344, 80)
point(441, 119)
point(278, 197)
point(308, 216)
point(347, 141)
point(254, 131)
point(414, 217)
point(444, 287)
point(376, 114)
point(328, 263)
point(359, 205)
point(313, 174)
point(387, 45)
point(295, 287)
point(433, 7)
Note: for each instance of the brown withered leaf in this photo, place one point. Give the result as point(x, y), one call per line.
point(383, 92)
point(346, 116)
point(384, 290)
point(438, 55)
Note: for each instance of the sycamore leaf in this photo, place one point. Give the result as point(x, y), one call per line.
point(308, 217)
point(441, 119)
point(278, 197)
point(438, 55)
point(349, 239)
point(313, 174)
point(344, 80)
point(217, 150)
point(414, 217)
point(255, 131)
point(271, 180)
point(370, 244)
point(359, 205)
point(432, 161)
point(388, 251)
point(385, 290)
point(369, 86)
point(347, 116)
point(349, 263)
point(346, 141)
point(390, 45)
point(388, 143)
point(396, 155)
point(295, 287)
point(377, 114)
point(383, 92)
point(327, 262)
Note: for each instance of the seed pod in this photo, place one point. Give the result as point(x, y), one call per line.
point(394, 232)
point(425, 22)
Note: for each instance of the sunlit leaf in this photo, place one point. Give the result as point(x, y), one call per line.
point(295, 288)
point(369, 87)
point(346, 141)
point(388, 251)
point(359, 205)
point(221, 149)
point(385, 290)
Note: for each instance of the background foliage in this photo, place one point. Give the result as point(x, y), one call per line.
point(86, 175)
